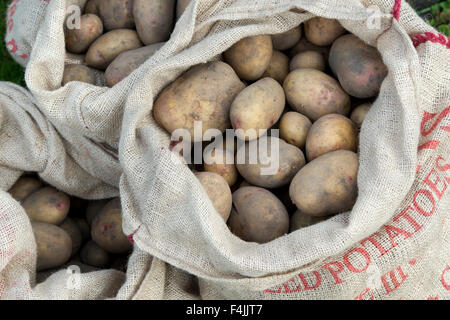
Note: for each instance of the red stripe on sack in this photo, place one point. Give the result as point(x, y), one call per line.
point(432, 144)
point(396, 11)
point(431, 37)
point(130, 237)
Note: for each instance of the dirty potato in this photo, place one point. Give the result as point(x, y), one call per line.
point(358, 66)
point(359, 114)
point(331, 132)
point(300, 220)
point(308, 59)
point(24, 186)
point(127, 62)
point(327, 185)
point(91, 6)
point(154, 19)
point(221, 161)
point(258, 215)
point(54, 245)
point(204, 93)
point(281, 165)
point(278, 68)
point(181, 6)
point(93, 208)
point(218, 192)
point(304, 45)
point(108, 46)
point(83, 226)
point(74, 233)
point(106, 229)
point(257, 108)
point(315, 94)
point(294, 128)
point(78, 72)
point(116, 14)
point(286, 40)
point(250, 57)
point(47, 205)
point(92, 254)
point(322, 31)
point(79, 39)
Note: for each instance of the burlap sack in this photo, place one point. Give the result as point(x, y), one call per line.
point(393, 244)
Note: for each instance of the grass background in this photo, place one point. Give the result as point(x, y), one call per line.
point(11, 71)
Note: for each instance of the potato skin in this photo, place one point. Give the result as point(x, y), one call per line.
point(308, 59)
point(91, 6)
point(258, 215)
point(24, 186)
point(74, 232)
point(204, 93)
point(358, 66)
point(78, 72)
point(327, 185)
point(299, 220)
point(79, 40)
point(304, 45)
point(84, 227)
point(294, 128)
point(154, 19)
point(315, 94)
point(331, 132)
point(93, 208)
point(106, 229)
point(126, 62)
point(92, 254)
point(226, 170)
point(291, 160)
point(116, 14)
point(47, 205)
point(278, 68)
point(181, 6)
point(54, 245)
point(250, 57)
point(322, 31)
point(359, 114)
point(218, 192)
point(108, 46)
point(286, 40)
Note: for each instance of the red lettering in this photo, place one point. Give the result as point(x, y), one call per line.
point(13, 45)
point(394, 232)
point(421, 210)
point(443, 168)
point(350, 266)
point(428, 116)
point(434, 184)
point(287, 289)
point(12, 10)
point(10, 25)
point(308, 286)
point(394, 280)
point(444, 283)
point(362, 294)
point(335, 272)
point(404, 214)
point(372, 240)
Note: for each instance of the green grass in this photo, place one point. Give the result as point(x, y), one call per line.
point(438, 16)
point(9, 69)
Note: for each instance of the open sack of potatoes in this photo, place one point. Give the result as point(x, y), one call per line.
point(360, 93)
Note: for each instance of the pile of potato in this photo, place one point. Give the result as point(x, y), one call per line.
point(117, 36)
point(71, 231)
point(315, 83)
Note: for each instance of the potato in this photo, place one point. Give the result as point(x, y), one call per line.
point(300, 220)
point(330, 133)
point(358, 66)
point(154, 19)
point(120, 263)
point(222, 167)
point(315, 94)
point(83, 226)
point(108, 46)
point(288, 39)
point(280, 168)
point(322, 31)
point(359, 114)
point(327, 185)
point(304, 45)
point(181, 6)
point(78, 72)
point(78, 40)
point(116, 14)
point(258, 215)
point(126, 62)
point(294, 128)
point(47, 205)
point(204, 93)
point(24, 186)
point(257, 108)
point(91, 6)
point(106, 229)
point(74, 233)
point(308, 59)
point(54, 245)
point(93, 255)
point(93, 208)
point(250, 57)
point(278, 67)
point(218, 192)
